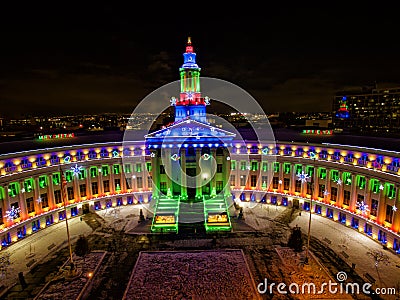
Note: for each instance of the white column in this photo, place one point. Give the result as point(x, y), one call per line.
point(22, 202)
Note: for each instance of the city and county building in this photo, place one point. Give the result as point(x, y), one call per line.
point(370, 110)
point(189, 173)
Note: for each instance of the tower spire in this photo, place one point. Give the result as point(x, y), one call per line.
point(190, 103)
point(189, 47)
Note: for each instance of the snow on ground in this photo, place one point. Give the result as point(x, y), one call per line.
point(219, 274)
point(259, 216)
point(68, 289)
point(35, 246)
point(122, 218)
point(355, 245)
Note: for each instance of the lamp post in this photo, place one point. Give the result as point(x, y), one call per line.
point(304, 177)
point(64, 200)
point(309, 225)
point(312, 156)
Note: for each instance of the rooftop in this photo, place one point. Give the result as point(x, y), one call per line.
point(281, 135)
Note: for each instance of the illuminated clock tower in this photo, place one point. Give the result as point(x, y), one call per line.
point(190, 162)
point(190, 103)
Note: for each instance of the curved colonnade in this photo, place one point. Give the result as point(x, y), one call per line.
point(357, 187)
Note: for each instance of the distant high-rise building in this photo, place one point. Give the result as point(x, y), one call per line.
point(370, 110)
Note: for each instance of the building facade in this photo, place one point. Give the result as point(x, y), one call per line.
point(357, 187)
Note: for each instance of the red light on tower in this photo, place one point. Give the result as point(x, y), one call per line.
point(189, 47)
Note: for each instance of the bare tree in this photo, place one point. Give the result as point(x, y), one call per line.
point(379, 258)
point(344, 242)
point(5, 268)
point(82, 248)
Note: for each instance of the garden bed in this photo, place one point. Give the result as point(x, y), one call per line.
point(219, 274)
point(63, 287)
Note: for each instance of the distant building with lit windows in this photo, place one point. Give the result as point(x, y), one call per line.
point(367, 111)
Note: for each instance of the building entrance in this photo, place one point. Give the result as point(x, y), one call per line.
point(191, 183)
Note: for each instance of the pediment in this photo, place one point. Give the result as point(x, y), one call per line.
point(190, 129)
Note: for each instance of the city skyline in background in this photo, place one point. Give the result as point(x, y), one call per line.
point(107, 58)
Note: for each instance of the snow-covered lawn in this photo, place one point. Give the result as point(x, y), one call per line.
point(70, 289)
point(36, 247)
point(217, 274)
point(355, 245)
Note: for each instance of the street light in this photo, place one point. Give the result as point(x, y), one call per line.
point(312, 156)
point(63, 186)
point(304, 177)
point(309, 223)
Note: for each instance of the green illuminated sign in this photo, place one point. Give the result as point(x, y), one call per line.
point(56, 136)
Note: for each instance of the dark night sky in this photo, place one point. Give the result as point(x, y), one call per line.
point(91, 58)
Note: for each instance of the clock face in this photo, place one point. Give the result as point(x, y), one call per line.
point(190, 58)
point(189, 95)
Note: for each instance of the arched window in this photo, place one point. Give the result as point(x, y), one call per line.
point(92, 154)
point(25, 163)
point(104, 153)
point(54, 159)
point(40, 161)
point(126, 152)
point(10, 167)
point(80, 156)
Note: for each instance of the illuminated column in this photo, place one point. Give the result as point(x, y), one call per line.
point(6, 206)
point(198, 177)
point(36, 204)
point(237, 174)
point(154, 172)
point(340, 188)
point(259, 175)
point(89, 184)
point(146, 175)
point(123, 180)
point(112, 182)
point(353, 193)
point(292, 178)
point(316, 183)
point(381, 207)
point(134, 183)
point(367, 194)
point(22, 202)
point(4, 209)
point(100, 181)
point(183, 172)
point(280, 185)
point(396, 213)
point(328, 186)
point(396, 221)
point(226, 169)
point(302, 184)
point(75, 184)
point(168, 167)
point(214, 155)
point(270, 174)
point(50, 193)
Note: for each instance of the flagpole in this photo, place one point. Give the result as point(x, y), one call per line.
point(310, 215)
point(63, 186)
